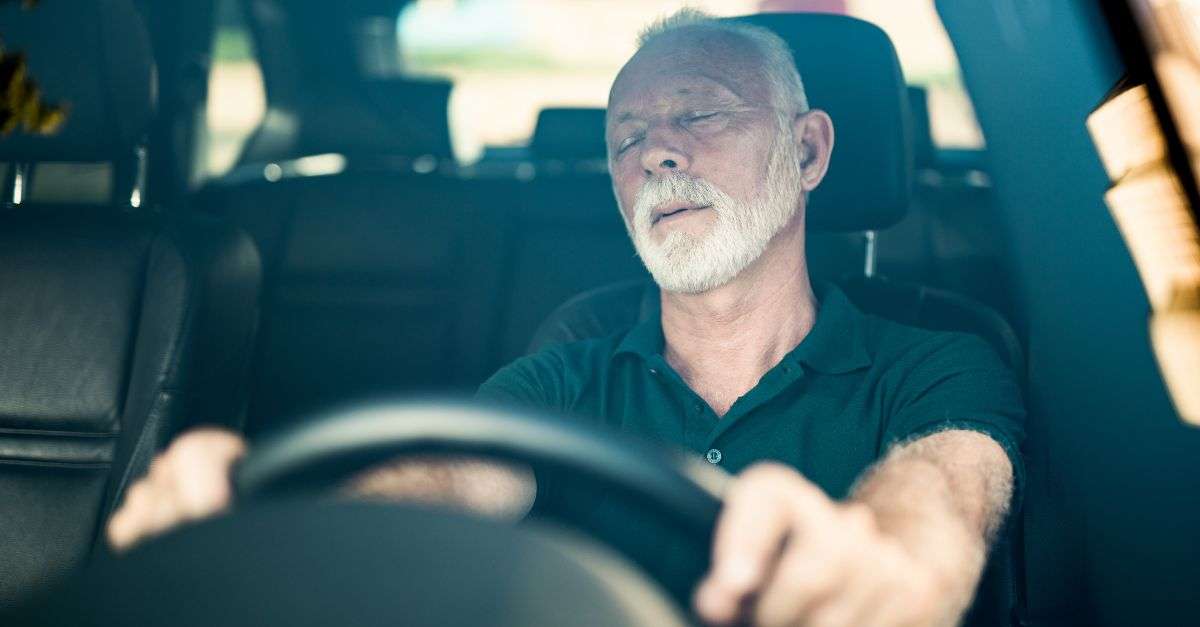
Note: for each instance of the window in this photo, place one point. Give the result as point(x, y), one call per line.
point(236, 98)
point(928, 60)
point(511, 58)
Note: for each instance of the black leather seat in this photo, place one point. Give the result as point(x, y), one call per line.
point(850, 70)
point(120, 324)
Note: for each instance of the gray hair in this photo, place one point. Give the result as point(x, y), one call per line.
point(778, 68)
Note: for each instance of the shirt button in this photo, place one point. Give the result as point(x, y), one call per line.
point(713, 456)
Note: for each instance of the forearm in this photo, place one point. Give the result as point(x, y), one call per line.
point(942, 499)
point(478, 485)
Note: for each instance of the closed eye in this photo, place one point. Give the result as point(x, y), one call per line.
point(700, 116)
point(628, 143)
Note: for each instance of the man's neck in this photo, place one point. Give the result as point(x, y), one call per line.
point(723, 341)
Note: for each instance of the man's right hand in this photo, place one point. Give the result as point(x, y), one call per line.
point(188, 481)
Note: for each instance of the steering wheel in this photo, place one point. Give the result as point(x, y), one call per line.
point(305, 561)
point(675, 492)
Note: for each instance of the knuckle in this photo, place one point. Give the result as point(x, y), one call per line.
point(914, 600)
point(138, 495)
point(767, 472)
point(159, 464)
point(204, 440)
point(860, 518)
point(830, 615)
point(118, 535)
point(124, 528)
point(761, 480)
point(117, 523)
point(201, 500)
point(924, 598)
point(191, 446)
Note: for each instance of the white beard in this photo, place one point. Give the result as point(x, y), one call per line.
point(693, 264)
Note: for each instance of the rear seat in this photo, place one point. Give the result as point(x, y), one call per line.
point(376, 283)
point(569, 236)
point(402, 275)
point(389, 280)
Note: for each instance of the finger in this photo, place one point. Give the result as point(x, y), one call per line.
point(148, 510)
point(198, 477)
point(884, 590)
point(752, 525)
point(188, 480)
point(804, 579)
point(915, 605)
point(157, 506)
point(762, 508)
point(888, 612)
point(826, 569)
point(851, 604)
point(124, 526)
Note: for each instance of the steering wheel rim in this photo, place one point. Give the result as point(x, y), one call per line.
point(347, 440)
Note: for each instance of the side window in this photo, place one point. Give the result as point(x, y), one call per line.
point(236, 97)
point(930, 62)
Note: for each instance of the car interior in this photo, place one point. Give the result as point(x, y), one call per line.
point(348, 254)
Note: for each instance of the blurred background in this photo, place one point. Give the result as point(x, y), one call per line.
point(509, 59)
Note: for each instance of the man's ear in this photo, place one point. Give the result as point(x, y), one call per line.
point(813, 130)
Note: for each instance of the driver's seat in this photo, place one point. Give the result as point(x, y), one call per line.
point(851, 71)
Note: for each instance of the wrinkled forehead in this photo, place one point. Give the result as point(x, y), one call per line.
point(701, 62)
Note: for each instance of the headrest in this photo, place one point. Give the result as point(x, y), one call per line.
point(392, 117)
point(95, 56)
point(569, 134)
point(850, 70)
point(924, 148)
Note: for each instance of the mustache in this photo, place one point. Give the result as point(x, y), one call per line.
point(672, 187)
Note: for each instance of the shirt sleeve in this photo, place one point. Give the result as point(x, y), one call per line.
point(534, 382)
point(957, 381)
point(531, 382)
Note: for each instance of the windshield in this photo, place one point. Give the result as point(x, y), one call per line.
point(509, 59)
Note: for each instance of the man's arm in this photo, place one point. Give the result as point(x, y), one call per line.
point(191, 480)
point(944, 498)
point(907, 548)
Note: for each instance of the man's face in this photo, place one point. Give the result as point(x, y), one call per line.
point(705, 169)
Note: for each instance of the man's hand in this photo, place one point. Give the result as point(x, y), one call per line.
point(191, 480)
point(908, 548)
point(188, 481)
point(785, 554)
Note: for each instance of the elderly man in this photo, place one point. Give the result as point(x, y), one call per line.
point(894, 449)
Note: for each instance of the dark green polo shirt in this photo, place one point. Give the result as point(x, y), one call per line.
point(855, 385)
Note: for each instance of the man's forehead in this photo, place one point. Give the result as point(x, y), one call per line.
point(662, 88)
point(686, 64)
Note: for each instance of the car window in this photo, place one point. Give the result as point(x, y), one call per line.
point(236, 98)
point(511, 58)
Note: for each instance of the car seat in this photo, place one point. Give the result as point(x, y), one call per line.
point(120, 323)
point(851, 71)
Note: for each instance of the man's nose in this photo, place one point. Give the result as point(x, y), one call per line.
point(663, 158)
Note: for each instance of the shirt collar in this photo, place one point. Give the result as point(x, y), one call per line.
point(645, 338)
point(835, 345)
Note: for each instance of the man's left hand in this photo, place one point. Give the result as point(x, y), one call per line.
point(786, 554)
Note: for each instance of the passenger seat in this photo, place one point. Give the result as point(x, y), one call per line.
point(120, 324)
